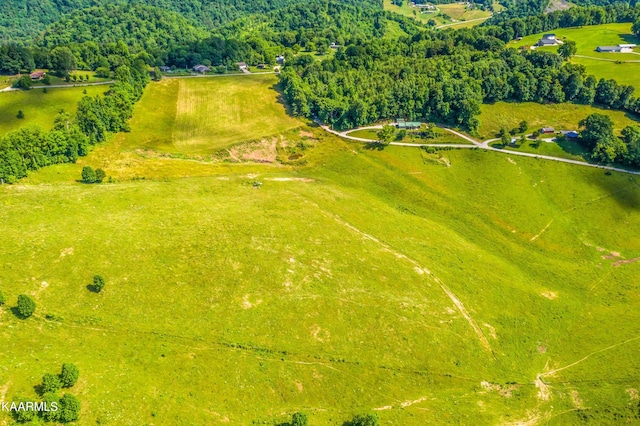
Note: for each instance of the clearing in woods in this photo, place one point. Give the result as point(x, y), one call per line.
point(40, 108)
point(204, 115)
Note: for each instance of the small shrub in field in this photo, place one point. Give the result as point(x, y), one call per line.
point(98, 283)
point(50, 383)
point(69, 375)
point(299, 419)
point(100, 175)
point(69, 408)
point(88, 174)
point(26, 306)
point(50, 415)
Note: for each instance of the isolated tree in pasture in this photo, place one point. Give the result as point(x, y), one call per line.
point(88, 174)
point(50, 383)
point(50, 415)
point(69, 409)
point(69, 375)
point(23, 82)
point(100, 175)
point(523, 126)
point(23, 416)
point(98, 283)
point(505, 139)
point(366, 420)
point(386, 135)
point(20, 114)
point(299, 419)
point(567, 49)
point(26, 306)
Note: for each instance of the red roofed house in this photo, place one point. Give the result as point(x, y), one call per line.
point(37, 75)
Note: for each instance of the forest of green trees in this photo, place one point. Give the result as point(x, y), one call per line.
point(427, 74)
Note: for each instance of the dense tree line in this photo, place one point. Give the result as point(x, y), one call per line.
point(521, 8)
point(605, 146)
point(140, 27)
point(507, 29)
point(24, 20)
point(311, 27)
point(30, 148)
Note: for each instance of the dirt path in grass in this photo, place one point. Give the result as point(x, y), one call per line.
point(60, 86)
point(420, 270)
point(478, 145)
point(463, 22)
point(552, 372)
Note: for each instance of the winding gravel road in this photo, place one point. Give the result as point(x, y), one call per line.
point(474, 144)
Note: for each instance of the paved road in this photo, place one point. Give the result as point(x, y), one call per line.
point(463, 22)
point(630, 61)
point(219, 75)
point(476, 144)
point(59, 86)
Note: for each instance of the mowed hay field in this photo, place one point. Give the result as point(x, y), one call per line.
point(204, 115)
point(40, 108)
point(494, 117)
point(601, 65)
point(479, 290)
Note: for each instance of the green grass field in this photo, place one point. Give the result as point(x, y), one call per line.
point(602, 65)
point(507, 115)
point(204, 115)
point(441, 136)
point(562, 149)
point(224, 302)
point(40, 108)
point(456, 287)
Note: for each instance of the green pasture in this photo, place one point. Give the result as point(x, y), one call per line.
point(446, 287)
point(623, 73)
point(563, 149)
point(327, 290)
point(441, 136)
point(588, 38)
point(601, 65)
point(204, 115)
point(564, 116)
point(40, 108)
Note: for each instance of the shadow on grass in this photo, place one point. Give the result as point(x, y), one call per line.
point(374, 146)
point(17, 313)
point(281, 99)
point(92, 288)
point(622, 188)
point(573, 147)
